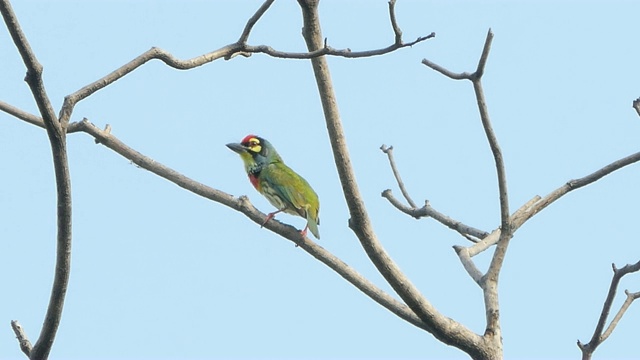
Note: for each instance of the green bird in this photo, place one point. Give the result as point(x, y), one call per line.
point(283, 187)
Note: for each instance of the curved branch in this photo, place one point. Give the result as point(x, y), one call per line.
point(56, 132)
point(396, 173)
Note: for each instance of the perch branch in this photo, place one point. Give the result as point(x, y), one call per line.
point(56, 131)
point(243, 205)
point(598, 336)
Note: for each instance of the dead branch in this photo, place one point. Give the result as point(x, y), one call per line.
point(396, 173)
point(57, 138)
point(443, 328)
point(243, 205)
point(25, 344)
point(598, 336)
point(226, 52)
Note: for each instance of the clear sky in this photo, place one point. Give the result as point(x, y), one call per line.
point(160, 273)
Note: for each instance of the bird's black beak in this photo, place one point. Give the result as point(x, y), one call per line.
point(237, 147)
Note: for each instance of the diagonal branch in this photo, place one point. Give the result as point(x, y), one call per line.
point(21, 114)
point(598, 336)
point(243, 205)
point(25, 344)
point(57, 138)
point(470, 233)
point(253, 21)
point(396, 173)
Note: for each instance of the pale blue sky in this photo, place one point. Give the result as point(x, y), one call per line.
point(161, 273)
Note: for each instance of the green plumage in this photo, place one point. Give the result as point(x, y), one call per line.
point(283, 187)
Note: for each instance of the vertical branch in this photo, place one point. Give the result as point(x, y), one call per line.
point(443, 328)
point(490, 280)
point(57, 137)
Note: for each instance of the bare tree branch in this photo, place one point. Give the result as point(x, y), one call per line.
point(57, 138)
point(253, 20)
point(243, 205)
point(616, 319)
point(396, 173)
point(488, 282)
point(467, 231)
point(21, 114)
point(443, 328)
point(25, 344)
point(226, 52)
point(576, 184)
point(598, 337)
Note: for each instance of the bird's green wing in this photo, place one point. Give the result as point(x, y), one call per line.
point(293, 189)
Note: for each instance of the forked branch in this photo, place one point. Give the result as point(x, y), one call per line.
point(598, 335)
point(226, 52)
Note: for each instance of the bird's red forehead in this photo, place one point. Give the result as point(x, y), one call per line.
point(248, 138)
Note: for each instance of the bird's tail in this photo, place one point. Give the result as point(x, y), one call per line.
point(313, 226)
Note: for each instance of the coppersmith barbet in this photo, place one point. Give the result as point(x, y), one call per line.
point(283, 187)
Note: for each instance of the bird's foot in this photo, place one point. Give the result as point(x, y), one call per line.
point(304, 231)
point(270, 216)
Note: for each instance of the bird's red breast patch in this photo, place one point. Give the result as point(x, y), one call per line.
point(254, 181)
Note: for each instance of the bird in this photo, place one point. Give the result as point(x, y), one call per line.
point(284, 188)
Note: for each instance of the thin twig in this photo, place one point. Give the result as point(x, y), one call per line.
point(25, 344)
point(396, 173)
point(56, 131)
point(394, 23)
point(616, 319)
point(253, 20)
point(428, 211)
point(468, 264)
point(576, 184)
point(226, 52)
point(598, 336)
